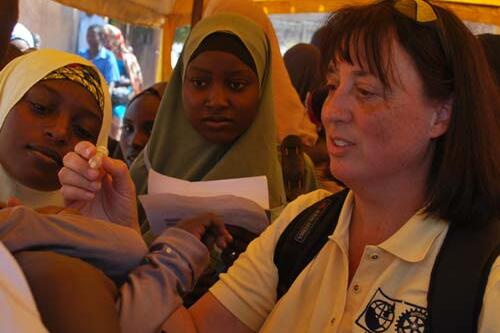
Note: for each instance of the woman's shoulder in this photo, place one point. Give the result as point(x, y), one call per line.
point(298, 205)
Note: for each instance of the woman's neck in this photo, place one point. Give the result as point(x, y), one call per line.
point(384, 206)
point(378, 212)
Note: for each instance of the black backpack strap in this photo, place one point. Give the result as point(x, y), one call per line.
point(304, 237)
point(459, 277)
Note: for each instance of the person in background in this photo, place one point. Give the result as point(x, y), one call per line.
point(303, 64)
point(491, 45)
point(317, 37)
point(138, 121)
point(85, 21)
point(22, 38)
point(130, 70)
point(9, 12)
point(101, 57)
point(11, 53)
point(130, 83)
point(49, 101)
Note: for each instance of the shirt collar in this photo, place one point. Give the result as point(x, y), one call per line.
point(403, 243)
point(415, 238)
point(102, 53)
point(341, 233)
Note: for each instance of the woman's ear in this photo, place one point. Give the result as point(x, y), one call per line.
point(441, 118)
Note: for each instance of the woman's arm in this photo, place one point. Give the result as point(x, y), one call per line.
point(206, 315)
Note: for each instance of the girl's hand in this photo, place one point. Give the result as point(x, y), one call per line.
point(106, 193)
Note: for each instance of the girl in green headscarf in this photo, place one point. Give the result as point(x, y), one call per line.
point(178, 149)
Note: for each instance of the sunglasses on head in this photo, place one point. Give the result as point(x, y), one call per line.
point(418, 10)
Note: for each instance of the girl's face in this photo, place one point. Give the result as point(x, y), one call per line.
point(374, 135)
point(137, 126)
point(220, 95)
point(42, 127)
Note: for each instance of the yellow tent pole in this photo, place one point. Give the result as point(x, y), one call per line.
point(168, 32)
point(159, 60)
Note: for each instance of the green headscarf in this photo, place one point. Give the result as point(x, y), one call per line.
point(175, 148)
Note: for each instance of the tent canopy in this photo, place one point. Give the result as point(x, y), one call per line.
point(160, 12)
point(170, 14)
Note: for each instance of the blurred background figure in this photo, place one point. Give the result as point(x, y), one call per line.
point(491, 45)
point(85, 21)
point(107, 64)
point(9, 12)
point(138, 122)
point(130, 70)
point(11, 53)
point(303, 64)
point(22, 38)
point(130, 82)
point(100, 56)
point(317, 37)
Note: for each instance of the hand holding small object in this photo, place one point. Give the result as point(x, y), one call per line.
point(98, 186)
point(95, 161)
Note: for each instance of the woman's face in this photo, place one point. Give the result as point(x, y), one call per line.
point(220, 95)
point(42, 127)
point(374, 135)
point(137, 125)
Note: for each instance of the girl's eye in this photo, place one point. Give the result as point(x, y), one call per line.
point(127, 128)
point(148, 128)
point(199, 83)
point(237, 85)
point(84, 134)
point(39, 108)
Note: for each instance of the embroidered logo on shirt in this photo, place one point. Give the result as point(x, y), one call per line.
point(381, 312)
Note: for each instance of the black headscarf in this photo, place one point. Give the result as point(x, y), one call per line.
point(303, 64)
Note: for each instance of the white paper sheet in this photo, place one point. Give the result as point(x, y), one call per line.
point(165, 210)
point(252, 188)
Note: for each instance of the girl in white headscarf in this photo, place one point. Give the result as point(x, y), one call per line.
point(49, 100)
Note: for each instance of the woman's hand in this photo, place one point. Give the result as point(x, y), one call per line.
point(208, 228)
point(105, 193)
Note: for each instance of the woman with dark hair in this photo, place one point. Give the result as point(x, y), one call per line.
point(411, 130)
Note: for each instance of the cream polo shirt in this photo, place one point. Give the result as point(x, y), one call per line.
point(388, 293)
